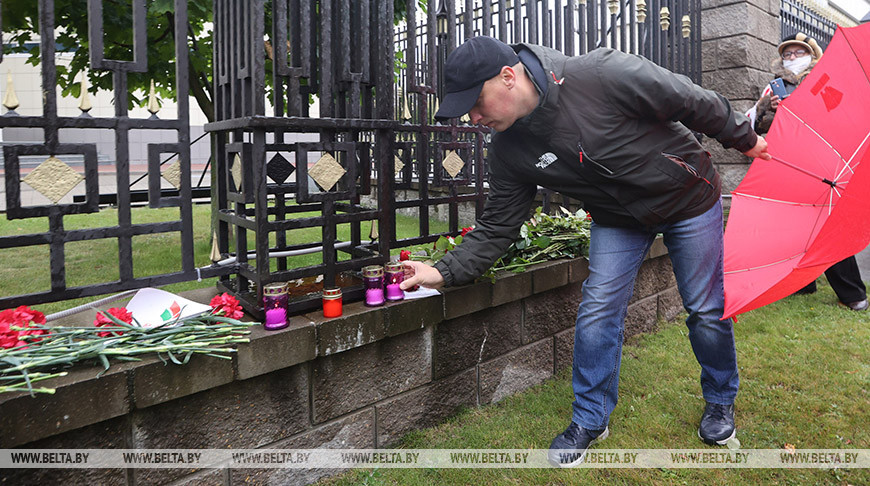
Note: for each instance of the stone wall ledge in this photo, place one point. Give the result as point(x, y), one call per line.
point(88, 396)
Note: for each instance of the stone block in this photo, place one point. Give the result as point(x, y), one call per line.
point(358, 325)
point(355, 431)
point(732, 175)
point(159, 382)
point(711, 4)
point(241, 415)
point(657, 249)
point(511, 287)
point(425, 407)
point(514, 372)
point(737, 83)
point(413, 314)
point(348, 381)
point(462, 343)
point(709, 55)
point(744, 50)
point(741, 18)
point(642, 317)
point(655, 275)
point(274, 350)
point(206, 477)
point(111, 434)
point(467, 299)
point(564, 349)
point(80, 399)
point(550, 312)
point(549, 275)
point(578, 270)
point(669, 304)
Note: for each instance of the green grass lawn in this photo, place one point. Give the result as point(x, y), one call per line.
point(26, 270)
point(805, 380)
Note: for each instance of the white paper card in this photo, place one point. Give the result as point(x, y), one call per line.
point(420, 293)
point(154, 307)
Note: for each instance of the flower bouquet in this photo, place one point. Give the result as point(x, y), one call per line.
point(31, 352)
point(542, 237)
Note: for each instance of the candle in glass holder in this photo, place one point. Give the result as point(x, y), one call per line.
point(373, 276)
point(275, 306)
point(395, 273)
point(332, 303)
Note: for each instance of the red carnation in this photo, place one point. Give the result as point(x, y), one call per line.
point(226, 305)
point(465, 231)
point(20, 319)
point(120, 313)
point(404, 255)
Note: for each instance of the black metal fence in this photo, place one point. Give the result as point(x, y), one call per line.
point(348, 142)
point(54, 171)
point(796, 17)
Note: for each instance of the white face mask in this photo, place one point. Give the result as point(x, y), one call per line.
point(797, 65)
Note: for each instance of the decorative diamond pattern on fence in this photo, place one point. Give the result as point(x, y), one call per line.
point(452, 163)
point(326, 172)
point(236, 172)
point(399, 165)
point(173, 174)
point(53, 179)
point(279, 169)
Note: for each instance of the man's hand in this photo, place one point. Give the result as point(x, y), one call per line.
point(418, 273)
point(760, 149)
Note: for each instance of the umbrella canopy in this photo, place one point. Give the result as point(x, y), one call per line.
point(794, 216)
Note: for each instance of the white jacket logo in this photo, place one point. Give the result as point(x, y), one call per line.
point(545, 160)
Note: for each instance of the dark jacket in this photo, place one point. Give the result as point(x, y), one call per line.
point(764, 113)
point(613, 134)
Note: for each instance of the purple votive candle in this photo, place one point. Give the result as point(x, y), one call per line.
point(373, 278)
point(395, 273)
point(374, 297)
point(275, 299)
point(275, 317)
point(394, 292)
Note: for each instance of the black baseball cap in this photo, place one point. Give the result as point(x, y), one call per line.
point(468, 67)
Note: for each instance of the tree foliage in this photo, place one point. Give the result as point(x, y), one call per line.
point(21, 19)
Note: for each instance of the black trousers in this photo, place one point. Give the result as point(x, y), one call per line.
point(845, 279)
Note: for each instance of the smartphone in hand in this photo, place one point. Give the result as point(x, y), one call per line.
point(778, 87)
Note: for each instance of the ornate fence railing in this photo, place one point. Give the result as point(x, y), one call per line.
point(348, 141)
point(796, 17)
point(56, 179)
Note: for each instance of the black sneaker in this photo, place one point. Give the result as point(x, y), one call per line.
point(717, 424)
point(568, 449)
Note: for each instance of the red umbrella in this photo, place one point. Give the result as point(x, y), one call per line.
point(794, 216)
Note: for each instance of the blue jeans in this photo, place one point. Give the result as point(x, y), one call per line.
point(615, 256)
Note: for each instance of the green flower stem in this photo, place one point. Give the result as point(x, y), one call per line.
point(213, 336)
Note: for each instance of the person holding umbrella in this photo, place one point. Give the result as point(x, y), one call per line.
point(614, 131)
point(798, 54)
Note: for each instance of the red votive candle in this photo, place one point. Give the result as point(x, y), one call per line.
point(332, 306)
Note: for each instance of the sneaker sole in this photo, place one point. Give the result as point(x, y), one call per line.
point(583, 456)
point(718, 442)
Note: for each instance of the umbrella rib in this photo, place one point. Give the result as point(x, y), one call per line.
point(854, 154)
point(765, 265)
point(815, 132)
point(777, 200)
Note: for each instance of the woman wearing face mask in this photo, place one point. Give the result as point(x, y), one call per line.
point(797, 56)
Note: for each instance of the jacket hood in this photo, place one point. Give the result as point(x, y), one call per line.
point(553, 64)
